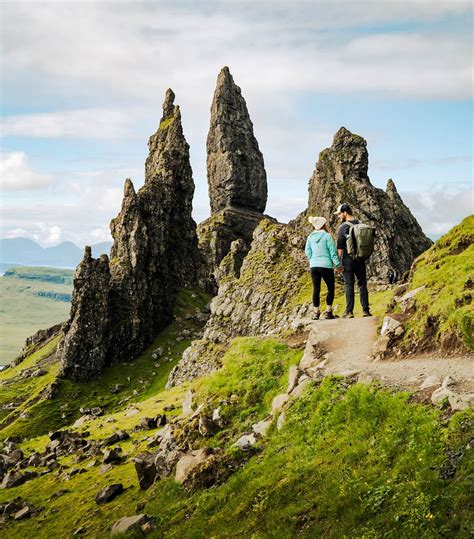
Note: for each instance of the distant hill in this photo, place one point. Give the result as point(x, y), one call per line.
point(23, 251)
point(31, 298)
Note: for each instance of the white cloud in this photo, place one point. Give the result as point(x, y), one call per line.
point(93, 123)
point(440, 208)
point(138, 49)
point(15, 174)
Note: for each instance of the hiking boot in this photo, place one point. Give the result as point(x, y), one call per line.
point(348, 315)
point(366, 313)
point(328, 315)
point(316, 315)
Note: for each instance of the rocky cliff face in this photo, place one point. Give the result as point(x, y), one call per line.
point(236, 176)
point(262, 297)
point(235, 169)
point(119, 307)
point(341, 175)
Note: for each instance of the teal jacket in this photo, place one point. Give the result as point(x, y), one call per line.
point(321, 250)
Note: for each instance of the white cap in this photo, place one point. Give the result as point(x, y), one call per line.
point(317, 222)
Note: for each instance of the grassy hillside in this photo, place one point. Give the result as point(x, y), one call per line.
point(351, 460)
point(31, 298)
point(443, 312)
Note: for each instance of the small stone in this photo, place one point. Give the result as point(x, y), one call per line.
point(440, 394)
point(293, 375)
point(389, 325)
point(431, 381)
point(298, 390)
point(188, 403)
point(112, 456)
point(261, 428)
point(80, 531)
point(281, 420)
point(25, 512)
point(105, 468)
point(246, 441)
point(109, 493)
point(278, 402)
point(129, 524)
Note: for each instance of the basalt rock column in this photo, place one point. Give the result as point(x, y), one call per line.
point(154, 253)
point(236, 174)
point(235, 168)
point(341, 175)
point(86, 333)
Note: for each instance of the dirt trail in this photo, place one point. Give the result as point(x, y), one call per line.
point(347, 346)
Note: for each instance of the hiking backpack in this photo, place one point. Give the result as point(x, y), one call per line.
point(360, 241)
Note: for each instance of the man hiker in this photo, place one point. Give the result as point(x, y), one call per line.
point(354, 268)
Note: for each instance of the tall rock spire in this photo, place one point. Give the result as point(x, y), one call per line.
point(236, 178)
point(341, 175)
point(235, 169)
point(154, 253)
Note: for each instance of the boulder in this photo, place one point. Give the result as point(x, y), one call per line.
point(202, 468)
point(145, 469)
point(278, 402)
point(12, 479)
point(131, 524)
point(109, 493)
point(293, 375)
point(430, 381)
point(112, 456)
point(389, 325)
point(261, 428)
point(188, 403)
point(245, 442)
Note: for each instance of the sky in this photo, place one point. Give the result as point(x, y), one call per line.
point(82, 84)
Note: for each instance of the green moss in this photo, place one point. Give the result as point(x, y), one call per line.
point(166, 123)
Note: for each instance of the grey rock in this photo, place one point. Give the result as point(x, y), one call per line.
point(109, 493)
point(389, 325)
point(235, 167)
point(112, 456)
point(245, 442)
point(261, 428)
point(12, 479)
point(341, 175)
point(23, 513)
point(119, 306)
point(130, 524)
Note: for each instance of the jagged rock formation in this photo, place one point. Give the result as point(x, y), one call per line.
point(263, 298)
point(119, 307)
point(341, 176)
point(236, 175)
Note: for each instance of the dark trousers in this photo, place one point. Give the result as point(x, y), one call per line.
point(328, 276)
point(355, 269)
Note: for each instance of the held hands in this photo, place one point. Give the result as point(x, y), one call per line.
point(340, 269)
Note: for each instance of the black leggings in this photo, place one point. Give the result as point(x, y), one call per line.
point(328, 276)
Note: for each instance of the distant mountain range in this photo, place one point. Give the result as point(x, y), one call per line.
point(23, 251)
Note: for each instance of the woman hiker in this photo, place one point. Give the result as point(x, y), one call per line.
point(322, 255)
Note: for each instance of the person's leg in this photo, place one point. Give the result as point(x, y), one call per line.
point(316, 278)
point(361, 274)
point(328, 276)
point(349, 289)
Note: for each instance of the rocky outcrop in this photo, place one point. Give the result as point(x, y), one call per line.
point(341, 175)
point(86, 340)
point(235, 169)
point(119, 307)
point(263, 298)
point(236, 176)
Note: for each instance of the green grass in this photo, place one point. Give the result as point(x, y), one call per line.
point(140, 375)
point(23, 311)
point(444, 308)
point(351, 461)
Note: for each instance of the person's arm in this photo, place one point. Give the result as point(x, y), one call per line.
point(332, 251)
point(307, 249)
point(341, 240)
